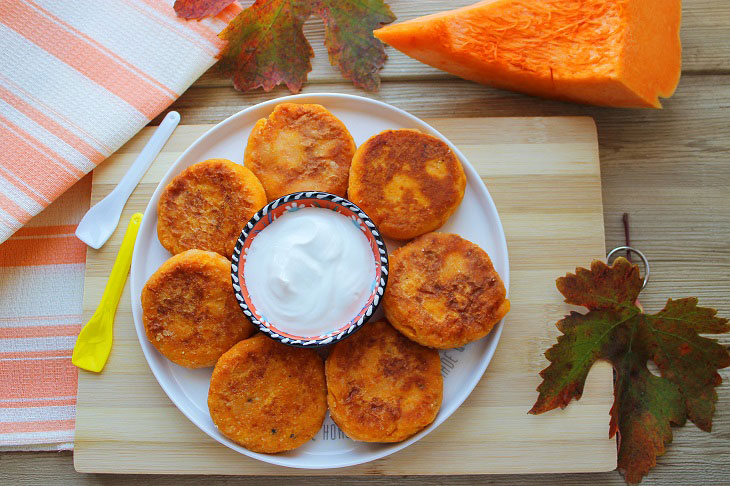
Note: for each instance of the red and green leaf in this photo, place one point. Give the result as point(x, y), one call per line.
point(602, 287)
point(644, 408)
point(198, 9)
point(266, 44)
point(267, 47)
point(615, 329)
point(349, 38)
point(687, 359)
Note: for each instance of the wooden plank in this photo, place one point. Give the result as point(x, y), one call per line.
point(696, 94)
point(125, 423)
point(691, 464)
point(705, 42)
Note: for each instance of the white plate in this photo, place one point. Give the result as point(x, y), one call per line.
point(476, 220)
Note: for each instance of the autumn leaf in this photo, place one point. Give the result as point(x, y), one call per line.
point(267, 47)
point(266, 43)
point(198, 9)
point(615, 329)
point(348, 36)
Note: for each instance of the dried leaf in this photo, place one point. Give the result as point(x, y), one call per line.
point(615, 329)
point(198, 9)
point(349, 38)
point(267, 47)
point(266, 44)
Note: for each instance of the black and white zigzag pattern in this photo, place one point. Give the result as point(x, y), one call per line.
point(379, 290)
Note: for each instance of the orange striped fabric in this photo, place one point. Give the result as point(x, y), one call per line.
point(78, 79)
point(41, 275)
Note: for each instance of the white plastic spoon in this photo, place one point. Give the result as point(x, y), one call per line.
point(100, 221)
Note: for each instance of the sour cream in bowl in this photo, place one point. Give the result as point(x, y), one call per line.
point(309, 269)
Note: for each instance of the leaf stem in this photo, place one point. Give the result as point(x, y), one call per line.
point(627, 235)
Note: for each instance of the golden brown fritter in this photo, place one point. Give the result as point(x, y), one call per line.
point(190, 313)
point(443, 291)
point(207, 205)
point(382, 387)
point(267, 396)
point(408, 182)
point(300, 148)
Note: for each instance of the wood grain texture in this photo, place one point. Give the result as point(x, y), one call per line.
point(524, 161)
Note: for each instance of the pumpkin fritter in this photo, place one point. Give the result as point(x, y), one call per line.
point(300, 148)
point(443, 291)
point(267, 396)
point(382, 387)
point(189, 310)
point(408, 182)
point(206, 206)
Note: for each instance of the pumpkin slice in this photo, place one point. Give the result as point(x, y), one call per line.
point(624, 53)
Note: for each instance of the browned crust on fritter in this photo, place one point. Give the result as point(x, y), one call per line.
point(382, 387)
point(267, 396)
point(190, 313)
point(408, 182)
point(300, 147)
point(206, 206)
point(443, 291)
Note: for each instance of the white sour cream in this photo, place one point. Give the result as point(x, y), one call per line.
point(310, 271)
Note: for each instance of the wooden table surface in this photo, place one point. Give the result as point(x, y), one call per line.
point(669, 169)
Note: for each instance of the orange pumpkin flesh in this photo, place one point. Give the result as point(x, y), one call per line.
point(624, 53)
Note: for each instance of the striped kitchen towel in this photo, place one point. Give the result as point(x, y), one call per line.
point(41, 289)
point(78, 78)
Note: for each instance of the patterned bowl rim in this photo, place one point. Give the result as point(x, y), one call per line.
point(374, 299)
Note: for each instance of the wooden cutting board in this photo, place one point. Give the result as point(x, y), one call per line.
point(544, 176)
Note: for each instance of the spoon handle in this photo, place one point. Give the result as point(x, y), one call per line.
point(101, 220)
point(144, 159)
point(118, 276)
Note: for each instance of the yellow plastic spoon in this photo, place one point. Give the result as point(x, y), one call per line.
point(95, 340)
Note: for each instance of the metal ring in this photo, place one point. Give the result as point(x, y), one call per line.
point(644, 260)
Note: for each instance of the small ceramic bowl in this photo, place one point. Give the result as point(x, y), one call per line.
point(292, 202)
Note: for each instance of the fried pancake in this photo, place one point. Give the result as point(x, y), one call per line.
point(206, 206)
point(408, 182)
point(382, 387)
point(300, 148)
point(267, 396)
point(189, 311)
point(443, 291)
